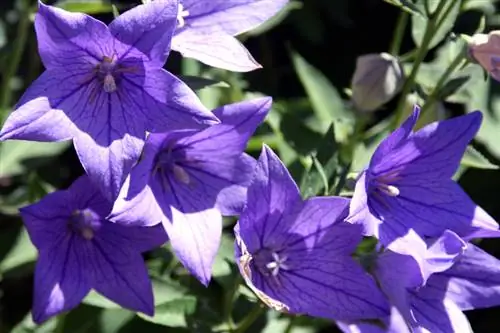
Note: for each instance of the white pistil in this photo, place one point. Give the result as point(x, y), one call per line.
point(181, 174)
point(277, 264)
point(390, 190)
point(181, 14)
point(87, 233)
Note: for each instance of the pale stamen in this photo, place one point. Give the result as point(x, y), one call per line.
point(181, 14)
point(390, 190)
point(181, 174)
point(277, 264)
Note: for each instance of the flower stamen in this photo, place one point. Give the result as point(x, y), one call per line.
point(181, 14)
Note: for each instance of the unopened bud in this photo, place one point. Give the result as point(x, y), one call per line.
point(377, 79)
point(485, 50)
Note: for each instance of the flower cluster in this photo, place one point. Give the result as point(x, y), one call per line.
point(161, 167)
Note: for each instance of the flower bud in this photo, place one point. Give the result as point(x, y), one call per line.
point(377, 79)
point(485, 50)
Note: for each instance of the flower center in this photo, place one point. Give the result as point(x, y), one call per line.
point(385, 183)
point(269, 262)
point(106, 72)
point(168, 165)
point(84, 223)
point(181, 14)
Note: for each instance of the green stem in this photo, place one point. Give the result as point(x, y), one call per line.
point(399, 33)
point(229, 298)
point(15, 58)
point(434, 95)
point(419, 58)
point(252, 316)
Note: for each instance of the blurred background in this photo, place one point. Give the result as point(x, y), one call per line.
point(309, 54)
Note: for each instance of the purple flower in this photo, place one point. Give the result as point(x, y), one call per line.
point(408, 184)
point(79, 249)
point(206, 30)
point(104, 87)
point(296, 255)
point(187, 179)
point(431, 287)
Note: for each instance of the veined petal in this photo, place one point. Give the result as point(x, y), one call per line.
point(40, 115)
point(230, 17)
point(472, 283)
point(444, 252)
point(117, 271)
point(330, 283)
point(432, 153)
point(108, 164)
point(429, 210)
point(163, 101)
point(221, 51)
point(195, 238)
point(395, 140)
point(271, 195)
point(60, 280)
point(147, 28)
point(438, 316)
point(70, 38)
point(142, 239)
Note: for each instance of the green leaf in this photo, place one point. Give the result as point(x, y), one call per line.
point(173, 313)
point(276, 19)
point(222, 267)
point(419, 23)
point(408, 6)
point(3, 34)
point(452, 86)
point(198, 83)
point(474, 159)
point(22, 252)
point(15, 153)
point(86, 6)
point(325, 100)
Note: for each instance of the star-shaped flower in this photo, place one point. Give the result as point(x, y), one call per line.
point(188, 179)
point(104, 87)
point(408, 184)
point(297, 255)
point(206, 30)
point(80, 250)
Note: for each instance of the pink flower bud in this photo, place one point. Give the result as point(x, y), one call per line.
point(485, 50)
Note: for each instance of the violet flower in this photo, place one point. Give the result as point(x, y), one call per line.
point(188, 179)
point(296, 255)
point(431, 287)
point(206, 30)
point(408, 185)
point(104, 87)
point(80, 250)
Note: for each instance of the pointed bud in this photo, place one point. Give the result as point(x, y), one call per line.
point(485, 50)
point(377, 79)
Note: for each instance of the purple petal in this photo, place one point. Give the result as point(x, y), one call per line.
point(361, 213)
point(394, 324)
point(438, 316)
point(195, 238)
point(432, 153)
point(472, 283)
point(109, 164)
point(116, 270)
point(444, 252)
point(70, 38)
point(60, 280)
point(272, 194)
point(141, 239)
point(429, 209)
point(228, 17)
point(394, 141)
point(161, 102)
point(320, 269)
point(40, 113)
point(147, 28)
point(221, 51)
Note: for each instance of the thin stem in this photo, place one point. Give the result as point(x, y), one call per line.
point(399, 33)
point(434, 96)
point(252, 316)
point(15, 58)
point(229, 298)
point(419, 58)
